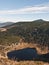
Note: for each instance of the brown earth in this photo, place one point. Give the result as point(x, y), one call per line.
point(5, 61)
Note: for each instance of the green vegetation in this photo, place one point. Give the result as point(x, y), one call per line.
point(36, 31)
point(6, 39)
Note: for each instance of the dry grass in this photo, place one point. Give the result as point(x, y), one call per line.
point(6, 61)
point(30, 45)
point(11, 62)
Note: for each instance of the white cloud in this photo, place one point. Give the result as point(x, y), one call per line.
point(10, 19)
point(27, 10)
point(43, 8)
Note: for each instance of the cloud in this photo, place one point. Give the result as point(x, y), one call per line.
point(42, 8)
point(10, 19)
point(27, 10)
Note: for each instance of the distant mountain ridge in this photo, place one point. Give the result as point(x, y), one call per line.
point(40, 20)
point(5, 24)
point(24, 22)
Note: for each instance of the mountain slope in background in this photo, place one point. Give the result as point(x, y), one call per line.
point(34, 31)
point(5, 24)
point(34, 23)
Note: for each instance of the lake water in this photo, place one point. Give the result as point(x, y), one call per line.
point(23, 54)
point(28, 54)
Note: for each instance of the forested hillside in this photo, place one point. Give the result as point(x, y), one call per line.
point(34, 31)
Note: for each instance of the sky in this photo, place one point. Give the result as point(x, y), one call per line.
point(23, 10)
